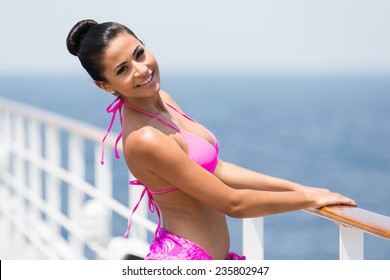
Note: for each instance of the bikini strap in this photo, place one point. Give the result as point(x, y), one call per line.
point(153, 116)
point(136, 182)
point(113, 109)
point(181, 113)
point(151, 204)
point(191, 119)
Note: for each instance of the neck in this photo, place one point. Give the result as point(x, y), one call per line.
point(153, 104)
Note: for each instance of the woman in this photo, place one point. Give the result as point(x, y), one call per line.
point(174, 157)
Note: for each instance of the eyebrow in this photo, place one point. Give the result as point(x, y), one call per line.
point(124, 62)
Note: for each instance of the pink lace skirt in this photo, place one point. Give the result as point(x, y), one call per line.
point(167, 246)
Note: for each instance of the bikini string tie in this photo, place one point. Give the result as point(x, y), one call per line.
point(151, 204)
point(113, 109)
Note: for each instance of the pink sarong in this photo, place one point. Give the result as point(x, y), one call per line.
point(168, 246)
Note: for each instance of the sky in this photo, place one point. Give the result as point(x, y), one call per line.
point(257, 36)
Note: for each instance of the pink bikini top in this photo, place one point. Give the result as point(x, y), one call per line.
point(199, 150)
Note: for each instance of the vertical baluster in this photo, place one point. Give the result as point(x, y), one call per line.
point(19, 209)
point(4, 139)
point(5, 156)
point(76, 196)
point(35, 173)
point(253, 238)
point(53, 195)
point(351, 243)
point(104, 183)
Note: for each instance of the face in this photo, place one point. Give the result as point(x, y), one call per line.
point(130, 69)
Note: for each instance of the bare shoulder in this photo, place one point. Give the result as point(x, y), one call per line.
point(150, 146)
point(145, 140)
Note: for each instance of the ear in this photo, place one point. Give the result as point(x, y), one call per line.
point(104, 86)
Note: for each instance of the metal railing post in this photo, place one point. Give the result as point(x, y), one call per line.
point(35, 173)
point(19, 171)
point(104, 183)
point(351, 243)
point(253, 238)
point(76, 155)
point(52, 183)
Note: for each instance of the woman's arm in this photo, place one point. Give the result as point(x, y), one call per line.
point(241, 178)
point(153, 153)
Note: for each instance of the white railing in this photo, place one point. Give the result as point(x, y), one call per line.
point(353, 224)
point(50, 195)
point(53, 199)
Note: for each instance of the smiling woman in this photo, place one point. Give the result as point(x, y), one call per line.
point(92, 49)
point(128, 67)
point(175, 158)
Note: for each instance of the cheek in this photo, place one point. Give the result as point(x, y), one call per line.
point(152, 60)
point(153, 64)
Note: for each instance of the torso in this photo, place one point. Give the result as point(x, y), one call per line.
point(182, 214)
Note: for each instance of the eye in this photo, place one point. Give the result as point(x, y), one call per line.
point(140, 54)
point(122, 69)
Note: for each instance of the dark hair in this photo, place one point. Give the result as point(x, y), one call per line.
point(89, 39)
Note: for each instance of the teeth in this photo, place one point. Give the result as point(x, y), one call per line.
point(146, 81)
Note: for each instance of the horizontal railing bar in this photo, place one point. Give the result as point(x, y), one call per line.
point(87, 188)
point(79, 128)
point(85, 130)
point(356, 217)
point(53, 213)
point(46, 250)
point(42, 205)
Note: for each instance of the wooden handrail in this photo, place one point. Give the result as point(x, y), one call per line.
point(364, 220)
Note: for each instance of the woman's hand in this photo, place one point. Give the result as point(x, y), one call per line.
point(323, 197)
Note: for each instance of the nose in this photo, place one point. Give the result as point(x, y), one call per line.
point(140, 69)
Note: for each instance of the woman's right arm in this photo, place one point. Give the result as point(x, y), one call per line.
point(151, 152)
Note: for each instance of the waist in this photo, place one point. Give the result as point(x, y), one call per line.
point(209, 230)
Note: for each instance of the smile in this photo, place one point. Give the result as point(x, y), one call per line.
point(146, 81)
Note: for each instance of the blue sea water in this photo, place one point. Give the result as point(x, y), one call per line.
point(324, 131)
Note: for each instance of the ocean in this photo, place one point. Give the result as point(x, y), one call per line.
point(318, 130)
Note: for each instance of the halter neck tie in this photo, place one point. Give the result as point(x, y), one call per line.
point(113, 108)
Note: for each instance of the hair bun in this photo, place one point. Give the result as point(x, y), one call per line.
point(77, 33)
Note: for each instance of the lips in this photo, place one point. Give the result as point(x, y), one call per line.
point(146, 81)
